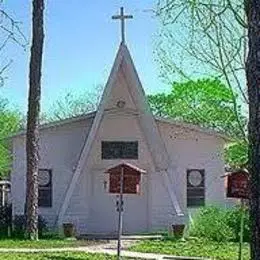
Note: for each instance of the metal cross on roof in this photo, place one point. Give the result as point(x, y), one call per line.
point(122, 17)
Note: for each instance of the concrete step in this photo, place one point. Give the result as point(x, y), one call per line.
point(114, 237)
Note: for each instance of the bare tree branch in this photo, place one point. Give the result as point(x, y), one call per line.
point(212, 40)
point(10, 31)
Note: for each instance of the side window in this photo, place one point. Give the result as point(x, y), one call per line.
point(195, 187)
point(45, 188)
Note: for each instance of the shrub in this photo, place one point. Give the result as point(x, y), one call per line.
point(210, 223)
point(220, 224)
point(233, 219)
point(5, 219)
point(19, 226)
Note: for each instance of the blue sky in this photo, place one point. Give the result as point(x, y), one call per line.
point(81, 41)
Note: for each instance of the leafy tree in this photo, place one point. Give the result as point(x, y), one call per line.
point(9, 123)
point(222, 37)
point(208, 38)
point(33, 116)
point(10, 32)
point(207, 103)
point(204, 38)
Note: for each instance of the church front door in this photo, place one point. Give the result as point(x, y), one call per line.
point(103, 217)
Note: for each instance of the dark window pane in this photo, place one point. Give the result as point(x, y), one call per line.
point(119, 150)
point(195, 187)
point(44, 198)
point(195, 192)
point(195, 202)
point(45, 188)
point(130, 150)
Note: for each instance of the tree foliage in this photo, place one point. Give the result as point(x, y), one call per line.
point(207, 103)
point(9, 123)
point(205, 38)
point(236, 154)
point(10, 32)
point(208, 38)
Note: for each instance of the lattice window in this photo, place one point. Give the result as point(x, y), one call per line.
point(195, 187)
point(45, 188)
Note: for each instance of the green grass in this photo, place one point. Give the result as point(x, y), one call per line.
point(48, 243)
point(192, 247)
point(55, 256)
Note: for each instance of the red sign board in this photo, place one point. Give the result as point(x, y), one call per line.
point(131, 178)
point(238, 185)
point(131, 183)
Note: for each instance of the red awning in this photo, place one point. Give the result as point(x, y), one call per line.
point(126, 166)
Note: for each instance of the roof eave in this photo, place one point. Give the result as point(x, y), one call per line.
point(58, 123)
point(197, 128)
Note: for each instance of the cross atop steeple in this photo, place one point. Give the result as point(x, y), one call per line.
point(122, 17)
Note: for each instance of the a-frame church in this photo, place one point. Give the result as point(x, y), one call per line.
point(170, 167)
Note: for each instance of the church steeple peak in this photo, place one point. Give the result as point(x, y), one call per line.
point(122, 17)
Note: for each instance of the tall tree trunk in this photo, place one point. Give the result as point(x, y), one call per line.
point(253, 83)
point(32, 137)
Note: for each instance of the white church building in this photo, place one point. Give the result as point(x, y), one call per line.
point(171, 166)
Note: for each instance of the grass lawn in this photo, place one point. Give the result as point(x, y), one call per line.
point(48, 243)
point(192, 247)
point(55, 256)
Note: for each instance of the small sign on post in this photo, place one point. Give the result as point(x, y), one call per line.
point(124, 178)
point(238, 187)
point(238, 184)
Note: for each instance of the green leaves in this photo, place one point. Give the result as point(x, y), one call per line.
point(236, 154)
point(9, 123)
point(210, 104)
point(219, 224)
point(206, 102)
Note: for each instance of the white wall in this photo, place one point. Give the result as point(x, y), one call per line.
point(102, 211)
point(191, 149)
point(59, 151)
point(188, 149)
point(91, 208)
